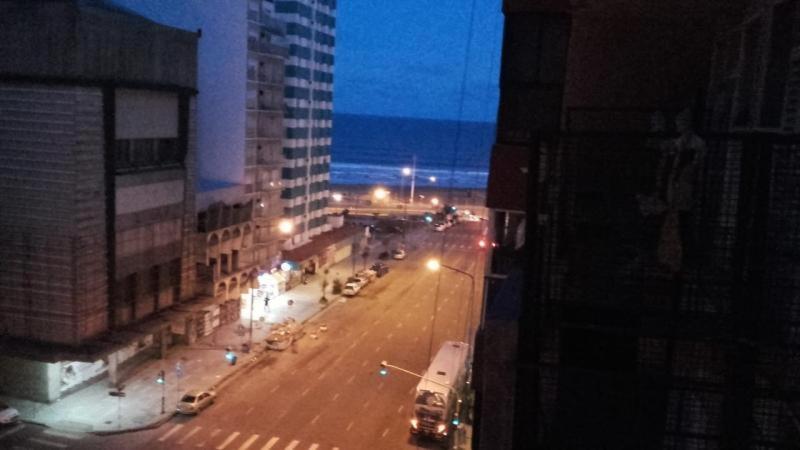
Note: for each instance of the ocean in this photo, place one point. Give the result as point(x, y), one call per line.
point(374, 149)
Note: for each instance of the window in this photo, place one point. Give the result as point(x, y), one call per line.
point(140, 154)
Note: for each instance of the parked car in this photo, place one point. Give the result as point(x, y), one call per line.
point(380, 269)
point(195, 401)
point(369, 274)
point(8, 415)
point(399, 254)
point(351, 289)
point(360, 280)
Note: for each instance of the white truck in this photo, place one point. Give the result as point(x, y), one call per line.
point(436, 404)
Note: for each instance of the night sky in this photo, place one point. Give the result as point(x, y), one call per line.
point(406, 58)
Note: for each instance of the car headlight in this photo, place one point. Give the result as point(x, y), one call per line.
point(441, 428)
point(414, 423)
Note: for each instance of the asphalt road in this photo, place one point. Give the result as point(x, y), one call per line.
point(325, 393)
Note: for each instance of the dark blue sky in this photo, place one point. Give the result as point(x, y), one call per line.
point(406, 58)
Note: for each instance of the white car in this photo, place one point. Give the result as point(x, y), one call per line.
point(195, 401)
point(369, 274)
point(351, 289)
point(8, 415)
point(399, 254)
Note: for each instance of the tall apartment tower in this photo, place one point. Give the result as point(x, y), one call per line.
point(241, 56)
point(310, 31)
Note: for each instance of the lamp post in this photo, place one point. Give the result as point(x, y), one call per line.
point(434, 265)
point(253, 277)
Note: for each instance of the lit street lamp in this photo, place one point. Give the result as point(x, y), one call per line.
point(337, 197)
point(380, 194)
point(285, 226)
point(435, 201)
point(432, 179)
point(433, 265)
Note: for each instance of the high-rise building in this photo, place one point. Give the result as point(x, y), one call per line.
point(241, 57)
point(311, 33)
point(97, 167)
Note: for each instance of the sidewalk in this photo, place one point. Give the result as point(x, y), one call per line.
point(203, 365)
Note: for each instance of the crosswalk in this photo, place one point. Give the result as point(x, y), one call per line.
point(198, 437)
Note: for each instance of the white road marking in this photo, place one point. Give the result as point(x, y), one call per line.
point(385, 432)
point(408, 314)
point(275, 388)
point(313, 447)
point(270, 443)
point(48, 443)
point(380, 385)
point(315, 419)
point(352, 346)
point(321, 376)
point(399, 325)
point(294, 372)
point(350, 380)
point(377, 349)
point(228, 440)
point(416, 339)
point(335, 396)
point(170, 433)
point(364, 363)
point(432, 316)
point(305, 392)
point(63, 434)
point(410, 391)
point(249, 442)
point(424, 328)
point(249, 410)
point(438, 308)
point(366, 404)
point(389, 336)
point(400, 409)
point(363, 333)
point(189, 435)
point(349, 425)
point(292, 444)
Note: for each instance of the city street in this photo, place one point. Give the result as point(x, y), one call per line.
point(326, 392)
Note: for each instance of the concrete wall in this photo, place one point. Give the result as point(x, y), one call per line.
point(80, 41)
point(52, 213)
point(30, 379)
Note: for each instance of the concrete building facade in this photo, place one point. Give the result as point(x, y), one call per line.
point(311, 34)
point(241, 54)
point(97, 140)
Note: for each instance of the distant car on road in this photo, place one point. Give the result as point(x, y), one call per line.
point(380, 269)
point(351, 289)
point(195, 401)
point(399, 254)
point(8, 415)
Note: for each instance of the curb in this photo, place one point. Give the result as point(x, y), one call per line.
point(150, 426)
point(218, 386)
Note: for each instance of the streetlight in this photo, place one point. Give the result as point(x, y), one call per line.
point(406, 171)
point(380, 193)
point(337, 197)
point(253, 277)
point(285, 226)
point(432, 179)
point(433, 265)
point(435, 201)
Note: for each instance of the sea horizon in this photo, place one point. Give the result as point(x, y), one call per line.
point(371, 149)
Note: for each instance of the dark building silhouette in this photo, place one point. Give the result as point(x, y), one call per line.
point(644, 292)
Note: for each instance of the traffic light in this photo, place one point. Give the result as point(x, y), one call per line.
point(160, 377)
point(384, 370)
